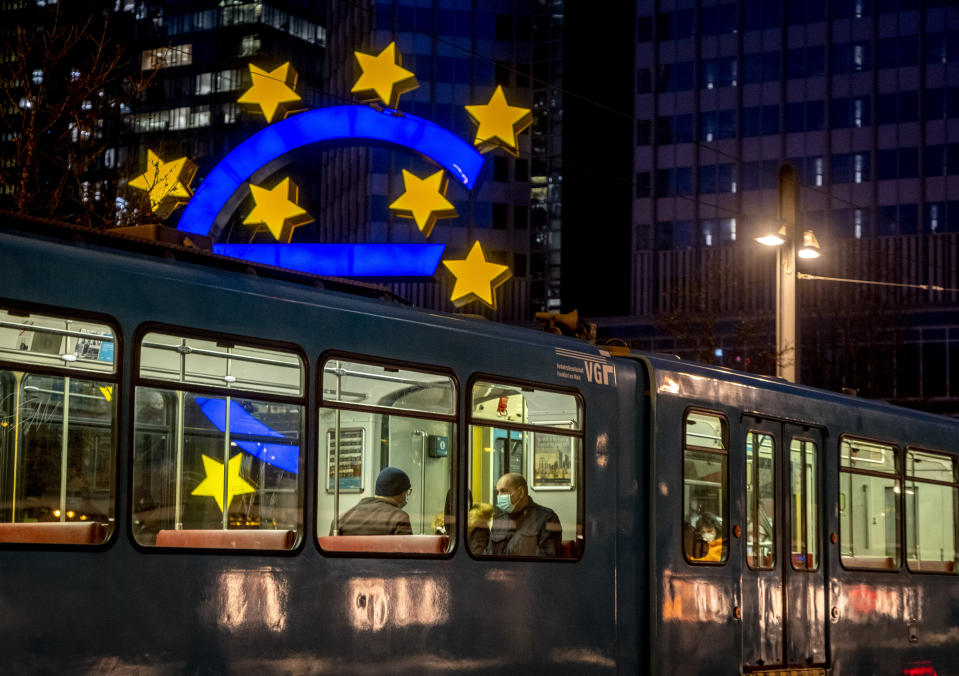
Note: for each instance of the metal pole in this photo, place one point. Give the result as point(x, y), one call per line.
point(787, 346)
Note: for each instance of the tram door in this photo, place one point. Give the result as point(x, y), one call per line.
point(783, 579)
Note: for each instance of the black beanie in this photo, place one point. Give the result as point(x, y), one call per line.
point(392, 481)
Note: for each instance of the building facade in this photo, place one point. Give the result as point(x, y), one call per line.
point(860, 97)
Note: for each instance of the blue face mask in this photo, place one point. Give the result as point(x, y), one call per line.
point(505, 503)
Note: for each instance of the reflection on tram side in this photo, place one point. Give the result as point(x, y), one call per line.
point(375, 603)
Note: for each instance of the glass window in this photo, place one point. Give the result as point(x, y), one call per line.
point(57, 429)
point(525, 472)
point(804, 504)
point(869, 491)
point(387, 438)
point(932, 487)
point(218, 459)
point(220, 363)
point(760, 501)
point(705, 527)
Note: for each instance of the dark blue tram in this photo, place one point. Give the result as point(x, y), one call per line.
point(179, 435)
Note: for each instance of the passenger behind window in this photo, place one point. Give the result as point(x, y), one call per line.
point(382, 514)
point(708, 544)
point(520, 526)
point(477, 522)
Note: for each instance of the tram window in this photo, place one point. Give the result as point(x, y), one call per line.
point(216, 363)
point(217, 468)
point(760, 501)
point(705, 527)
point(31, 339)
point(931, 494)
point(525, 472)
point(57, 430)
point(804, 504)
point(377, 416)
point(869, 490)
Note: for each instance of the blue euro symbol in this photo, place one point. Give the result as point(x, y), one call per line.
point(262, 154)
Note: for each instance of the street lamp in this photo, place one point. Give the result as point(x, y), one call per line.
point(785, 240)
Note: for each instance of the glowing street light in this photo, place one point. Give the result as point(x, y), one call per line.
point(785, 240)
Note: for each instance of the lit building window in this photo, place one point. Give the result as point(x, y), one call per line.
point(167, 57)
point(249, 45)
point(201, 117)
point(230, 113)
point(37, 77)
point(204, 83)
point(180, 118)
point(857, 223)
point(817, 171)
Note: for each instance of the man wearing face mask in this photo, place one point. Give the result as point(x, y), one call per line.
point(382, 514)
point(520, 526)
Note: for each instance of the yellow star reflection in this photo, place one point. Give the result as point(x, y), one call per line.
point(383, 77)
point(167, 182)
point(277, 210)
point(212, 485)
point(272, 91)
point(424, 200)
point(476, 278)
point(499, 123)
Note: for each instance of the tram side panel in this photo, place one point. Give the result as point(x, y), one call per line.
point(692, 601)
point(190, 609)
point(893, 588)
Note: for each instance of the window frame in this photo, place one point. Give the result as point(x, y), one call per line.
point(724, 421)
point(301, 400)
point(955, 486)
point(818, 504)
point(321, 463)
point(114, 377)
point(580, 487)
point(776, 523)
point(897, 475)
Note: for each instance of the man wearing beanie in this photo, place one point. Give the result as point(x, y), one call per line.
point(382, 514)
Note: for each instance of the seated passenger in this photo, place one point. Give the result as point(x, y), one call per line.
point(477, 522)
point(520, 526)
point(707, 532)
point(382, 514)
point(477, 527)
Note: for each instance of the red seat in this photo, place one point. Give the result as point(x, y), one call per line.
point(54, 532)
point(227, 539)
point(932, 566)
point(386, 544)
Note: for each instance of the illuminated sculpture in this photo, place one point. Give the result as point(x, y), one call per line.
point(381, 80)
point(167, 182)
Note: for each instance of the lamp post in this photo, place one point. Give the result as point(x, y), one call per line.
point(787, 347)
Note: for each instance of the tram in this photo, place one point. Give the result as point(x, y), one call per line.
point(179, 434)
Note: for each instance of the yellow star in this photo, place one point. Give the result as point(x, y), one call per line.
point(212, 485)
point(272, 91)
point(476, 278)
point(383, 77)
point(277, 210)
point(424, 200)
point(499, 123)
point(167, 182)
